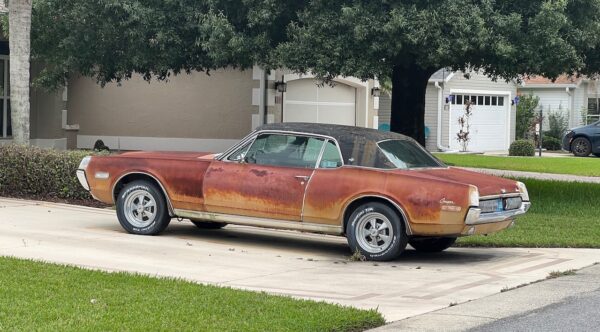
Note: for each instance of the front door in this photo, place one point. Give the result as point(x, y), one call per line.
point(266, 179)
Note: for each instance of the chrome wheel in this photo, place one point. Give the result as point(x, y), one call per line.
point(374, 232)
point(140, 208)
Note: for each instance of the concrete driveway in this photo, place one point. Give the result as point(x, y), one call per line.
point(279, 262)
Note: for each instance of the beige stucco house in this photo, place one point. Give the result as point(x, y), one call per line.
point(189, 112)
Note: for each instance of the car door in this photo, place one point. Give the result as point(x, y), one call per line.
point(595, 138)
point(266, 178)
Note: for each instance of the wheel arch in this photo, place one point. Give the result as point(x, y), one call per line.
point(578, 135)
point(581, 135)
point(376, 198)
point(140, 175)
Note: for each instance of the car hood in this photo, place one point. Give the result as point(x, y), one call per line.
point(487, 184)
point(170, 155)
point(584, 128)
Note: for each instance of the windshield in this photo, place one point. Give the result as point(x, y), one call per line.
point(406, 154)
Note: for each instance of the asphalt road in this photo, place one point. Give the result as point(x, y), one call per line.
point(577, 313)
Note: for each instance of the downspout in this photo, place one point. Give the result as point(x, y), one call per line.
point(439, 118)
point(262, 102)
point(571, 106)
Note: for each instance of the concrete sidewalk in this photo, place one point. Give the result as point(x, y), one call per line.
point(278, 262)
point(535, 175)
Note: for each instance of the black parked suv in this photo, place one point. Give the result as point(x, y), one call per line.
point(583, 140)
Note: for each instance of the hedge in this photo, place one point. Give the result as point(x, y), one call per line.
point(551, 144)
point(32, 172)
point(521, 148)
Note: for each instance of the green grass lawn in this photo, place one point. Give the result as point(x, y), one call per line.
point(563, 214)
point(559, 165)
point(38, 296)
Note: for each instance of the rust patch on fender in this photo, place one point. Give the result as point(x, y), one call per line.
point(259, 173)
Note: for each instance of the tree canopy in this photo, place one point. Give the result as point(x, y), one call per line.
point(404, 40)
point(112, 39)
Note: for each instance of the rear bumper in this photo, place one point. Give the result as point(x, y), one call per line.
point(475, 217)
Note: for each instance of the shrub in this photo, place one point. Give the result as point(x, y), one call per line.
point(525, 115)
point(33, 172)
point(551, 143)
point(522, 148)
point(558, 124)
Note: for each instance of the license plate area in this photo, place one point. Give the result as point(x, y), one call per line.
point(500, 204)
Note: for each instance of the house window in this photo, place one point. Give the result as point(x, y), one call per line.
point(5, 120)
point(593, 111)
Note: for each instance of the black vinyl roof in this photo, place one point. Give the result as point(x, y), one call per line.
point(340, 132)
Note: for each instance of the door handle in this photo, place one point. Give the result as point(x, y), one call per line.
point(302, 177)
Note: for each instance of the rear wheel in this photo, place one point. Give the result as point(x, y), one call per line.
point(376, 231)
point(208, 224)
point(432, 244)
point(581, 147)
point(142, 208)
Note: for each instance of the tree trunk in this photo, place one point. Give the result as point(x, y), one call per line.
point(19, 22)
point(409, 85)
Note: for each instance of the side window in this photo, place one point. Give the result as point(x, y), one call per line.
point(284, 150)
point(331, 156)
point(239, 154)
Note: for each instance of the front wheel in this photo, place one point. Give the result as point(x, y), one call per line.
point(432, 244)
point(581, 147)
point(142, 209)
point(376, 231)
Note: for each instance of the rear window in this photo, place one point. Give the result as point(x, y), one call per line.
point(405, 154)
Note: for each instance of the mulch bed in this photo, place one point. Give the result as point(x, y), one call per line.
point(82, 202)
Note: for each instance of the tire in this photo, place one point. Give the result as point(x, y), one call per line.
point(208, 224)
point(432, 244)
point(150, 219)
point(581, 147)
point(367, 234)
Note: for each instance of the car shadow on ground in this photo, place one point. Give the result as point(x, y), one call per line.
point(286, 241)
point(332, 247)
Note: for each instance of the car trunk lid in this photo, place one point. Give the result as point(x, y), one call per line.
point(488, 185)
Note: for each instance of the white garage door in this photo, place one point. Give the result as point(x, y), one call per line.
point(307, 102)
point(489, 123)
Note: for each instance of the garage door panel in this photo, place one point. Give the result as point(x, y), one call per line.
point(488, 130)
point(302, 90)
point(300, 113)
point(306, 102)
point(334, 114)
point(338, 93)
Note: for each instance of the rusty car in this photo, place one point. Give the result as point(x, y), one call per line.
point(381, 190)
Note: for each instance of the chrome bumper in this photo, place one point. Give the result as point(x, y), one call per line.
point(83, 179)
point(475, 217)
